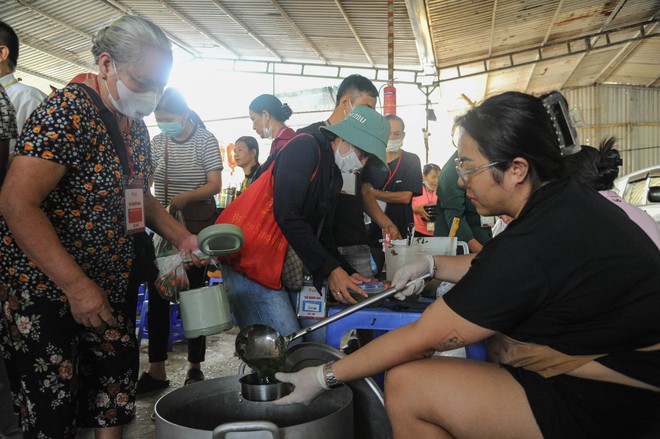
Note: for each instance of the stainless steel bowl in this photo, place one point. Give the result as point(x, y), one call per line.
point(252, 390)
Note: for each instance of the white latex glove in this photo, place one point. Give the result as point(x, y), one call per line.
point(308, 384)
point(408, 272)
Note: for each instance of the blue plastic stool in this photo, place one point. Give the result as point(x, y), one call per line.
point(140, 301)
point(176, 327)
point(214, 280)
point(382, 320)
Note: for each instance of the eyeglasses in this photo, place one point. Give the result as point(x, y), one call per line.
point(464, 174)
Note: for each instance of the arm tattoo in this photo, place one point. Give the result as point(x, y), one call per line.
point(452, 341)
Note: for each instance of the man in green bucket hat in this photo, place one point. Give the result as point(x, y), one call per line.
point(365, 129)
point(306, 185)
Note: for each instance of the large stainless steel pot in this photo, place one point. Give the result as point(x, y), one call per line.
point(368, 411)
point(216, 409)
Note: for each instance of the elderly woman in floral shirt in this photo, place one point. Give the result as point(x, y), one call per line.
point(8, 131)
point(68, 206)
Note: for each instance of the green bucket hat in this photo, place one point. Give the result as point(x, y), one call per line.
point(364, 128)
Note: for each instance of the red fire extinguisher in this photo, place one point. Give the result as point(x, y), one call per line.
point(389, 100)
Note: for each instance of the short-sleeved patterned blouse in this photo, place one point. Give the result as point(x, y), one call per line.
point(87, 206)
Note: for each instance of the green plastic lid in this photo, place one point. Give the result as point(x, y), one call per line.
point(220, 239)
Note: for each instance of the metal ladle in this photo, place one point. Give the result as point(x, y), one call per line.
point(258, 343)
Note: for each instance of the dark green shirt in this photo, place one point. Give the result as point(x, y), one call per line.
point(452, 202)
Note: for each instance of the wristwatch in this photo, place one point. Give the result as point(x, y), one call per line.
point(330, 380)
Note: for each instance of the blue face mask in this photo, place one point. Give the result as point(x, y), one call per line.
point(171, 129)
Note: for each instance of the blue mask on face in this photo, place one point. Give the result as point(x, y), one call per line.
point(171, 129)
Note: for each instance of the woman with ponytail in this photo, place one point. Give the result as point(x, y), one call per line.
point(268, 115)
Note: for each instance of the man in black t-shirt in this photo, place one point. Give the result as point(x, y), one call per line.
point(404, 182)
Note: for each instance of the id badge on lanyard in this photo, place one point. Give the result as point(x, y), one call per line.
point(134, 205)
point(311, 303)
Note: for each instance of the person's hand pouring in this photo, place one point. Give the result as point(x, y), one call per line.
point(308, 383)
point(415, 269)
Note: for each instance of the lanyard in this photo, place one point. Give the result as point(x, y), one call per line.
point(113, 130)
point(396, 168)
point(15, 81)
point(127, 145)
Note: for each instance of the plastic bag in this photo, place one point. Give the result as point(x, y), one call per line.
point(172, 277)
point(164, 247)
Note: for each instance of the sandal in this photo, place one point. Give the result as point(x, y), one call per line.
point(146, 383)
point(193, 376)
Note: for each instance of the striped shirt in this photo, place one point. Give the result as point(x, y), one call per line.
point(188, 162)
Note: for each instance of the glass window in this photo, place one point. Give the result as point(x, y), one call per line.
point(635, 192)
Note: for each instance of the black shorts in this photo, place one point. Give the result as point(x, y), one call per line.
point(566, 407)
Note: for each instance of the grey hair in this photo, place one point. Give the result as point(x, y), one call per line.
point(123, 39)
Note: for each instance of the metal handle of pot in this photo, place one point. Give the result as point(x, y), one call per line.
point(221, 431)
point(354, 308)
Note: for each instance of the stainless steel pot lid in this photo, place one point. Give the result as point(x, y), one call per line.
point(220, 239)
point(370, 418)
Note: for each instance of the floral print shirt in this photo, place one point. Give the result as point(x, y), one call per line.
point(86, 208)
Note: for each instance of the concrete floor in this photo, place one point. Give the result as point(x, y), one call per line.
point(220, 362)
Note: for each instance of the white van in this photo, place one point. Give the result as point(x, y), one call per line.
point(642, 189)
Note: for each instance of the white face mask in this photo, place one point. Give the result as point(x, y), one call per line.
point(131, 103)
point(348, 162)
point(394, 145)
point(428, 186)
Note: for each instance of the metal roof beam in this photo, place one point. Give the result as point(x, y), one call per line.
point(620, 57)
point(247, 29)
point(419, 21)
point(593, 42)
point(655, 81)
point(355, 34)
point(571, 48)
point(299, 31)
point(188, 21)
point(127, 11)
point(313, 70)
point(490, 41)
point(545, 41)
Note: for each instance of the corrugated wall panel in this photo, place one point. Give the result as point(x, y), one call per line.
point(631, 114)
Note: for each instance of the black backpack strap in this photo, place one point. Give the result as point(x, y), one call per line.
point(110, 124)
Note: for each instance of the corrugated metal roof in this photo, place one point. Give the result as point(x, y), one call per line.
point(501, 39)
